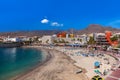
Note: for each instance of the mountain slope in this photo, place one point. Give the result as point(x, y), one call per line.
point(93, 28)
point(90, 29)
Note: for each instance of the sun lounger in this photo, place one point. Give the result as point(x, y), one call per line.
point(78, 71)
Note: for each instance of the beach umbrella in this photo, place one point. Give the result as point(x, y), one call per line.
point(97, 63)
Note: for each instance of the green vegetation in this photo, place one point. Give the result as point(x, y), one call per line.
point(114, 38)
point(91, 41)
point(73, 39)
point(118, 46)
point(60, 41)
point(40, 41)
point(35, 39)
point(80, 40)
point(47, 40)
point(55, 41)
point(27, 42)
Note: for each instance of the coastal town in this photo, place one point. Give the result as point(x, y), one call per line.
point(59, 39)
point(97, 54)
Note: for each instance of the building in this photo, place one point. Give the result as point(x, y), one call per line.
point(8, 39)
point(100, 39)
point(1, 40)
point(118, 35)
point(83, 39)
point(78, 40)
point(46, 39)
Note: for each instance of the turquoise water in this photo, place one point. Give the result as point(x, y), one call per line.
point(15, 61)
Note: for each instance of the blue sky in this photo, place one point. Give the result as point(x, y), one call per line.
point(16, 15)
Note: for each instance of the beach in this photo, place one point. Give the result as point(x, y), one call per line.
point(85, 59)
point(62, 64)
point(58, 67)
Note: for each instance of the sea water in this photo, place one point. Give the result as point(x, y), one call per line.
point(16, 61)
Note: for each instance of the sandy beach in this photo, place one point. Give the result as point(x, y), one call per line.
point(107, 61)
point(62, 64)
point(58, 67)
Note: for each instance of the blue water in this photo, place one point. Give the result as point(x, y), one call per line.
point(16, 61)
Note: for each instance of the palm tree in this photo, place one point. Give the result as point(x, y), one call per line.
point(47, 40)
point(80, 40)
point(91, 41)
point(114, 38)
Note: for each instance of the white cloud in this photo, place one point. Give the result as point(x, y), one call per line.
point(56, 24)
point(44, 21)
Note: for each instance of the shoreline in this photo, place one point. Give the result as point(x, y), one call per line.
point(58, 66)
point(46, 54)
point(53, 58)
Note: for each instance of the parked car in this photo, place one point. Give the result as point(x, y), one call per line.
point(97, 78)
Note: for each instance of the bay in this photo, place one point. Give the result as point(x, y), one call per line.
point(16, 61)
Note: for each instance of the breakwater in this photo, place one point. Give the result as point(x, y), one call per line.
point(10, 45)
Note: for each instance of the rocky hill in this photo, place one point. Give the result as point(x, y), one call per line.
point(98, 28)
point(90, 29)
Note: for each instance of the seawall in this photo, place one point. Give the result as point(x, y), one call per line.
point(10, 45)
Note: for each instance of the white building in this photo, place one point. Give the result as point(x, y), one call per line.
point(46, 39)
point(25, 39)
point(116, 34)
point(83, 39)
point(11, 39)
point(80, 39)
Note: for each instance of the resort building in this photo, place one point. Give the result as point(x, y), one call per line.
point(47, 39)
point(106, 38)
point(8, 39)
point(76, 40)
point(83, 39)
point(100, 39)
point(118, 35)
point(25, 39)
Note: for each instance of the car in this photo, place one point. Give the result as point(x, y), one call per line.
point(97, 78)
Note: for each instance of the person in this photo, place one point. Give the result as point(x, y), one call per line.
point(104, 73)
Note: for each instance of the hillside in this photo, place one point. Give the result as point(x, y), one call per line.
point(90, 29)
point(98, 28)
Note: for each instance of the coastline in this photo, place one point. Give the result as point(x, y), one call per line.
point(47, 56)
point(58, 66)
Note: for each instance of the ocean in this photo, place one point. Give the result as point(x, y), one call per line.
point(16, 61)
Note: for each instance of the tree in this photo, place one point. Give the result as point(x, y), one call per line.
point(62, 41)
point(91, 41)
point(119, 38)
point(66, 42)
point(73, 39)
point(80, 40)
point(114, 38)
point(55, 41)
point(118, 46)
point(47, 40)
point(40, 41)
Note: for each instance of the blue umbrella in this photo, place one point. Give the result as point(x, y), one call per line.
point(97, 63)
